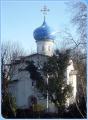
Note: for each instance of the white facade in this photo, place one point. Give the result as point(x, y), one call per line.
point(45, 47)
point(22, 86)
point(71, 79)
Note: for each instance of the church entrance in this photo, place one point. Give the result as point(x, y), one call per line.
point(32, 100)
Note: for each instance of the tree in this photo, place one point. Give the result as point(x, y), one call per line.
point(57, 88)
point(35, 74)
point(9, 106)
point(79, 19)
point(78, 10)
point(79, 58)
point(9, 52)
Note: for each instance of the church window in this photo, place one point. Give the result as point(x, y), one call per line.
point(32, 83)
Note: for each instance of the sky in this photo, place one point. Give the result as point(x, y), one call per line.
point(20, 18)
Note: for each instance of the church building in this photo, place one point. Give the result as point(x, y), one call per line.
point(21, 85)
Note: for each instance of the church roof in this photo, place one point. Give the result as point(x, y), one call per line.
point(32, 55)
point(23, 58)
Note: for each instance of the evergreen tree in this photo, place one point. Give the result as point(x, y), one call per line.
point(58, 90)
point(54, 68)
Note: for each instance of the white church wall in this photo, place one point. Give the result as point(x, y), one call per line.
point(15, 74)
point(71, 79)
point(13, 89)
point(23, 88)
point(74, 84)
point(38, 59)
point(45, 47)
point(69, 68)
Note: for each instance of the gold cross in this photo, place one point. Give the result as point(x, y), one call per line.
point(45, 10)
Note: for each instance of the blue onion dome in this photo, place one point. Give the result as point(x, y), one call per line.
point(44, 32)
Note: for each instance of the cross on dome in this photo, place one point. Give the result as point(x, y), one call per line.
point(44, 32)
point(44, 11)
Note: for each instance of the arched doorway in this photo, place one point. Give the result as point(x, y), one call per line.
point(32, 100)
